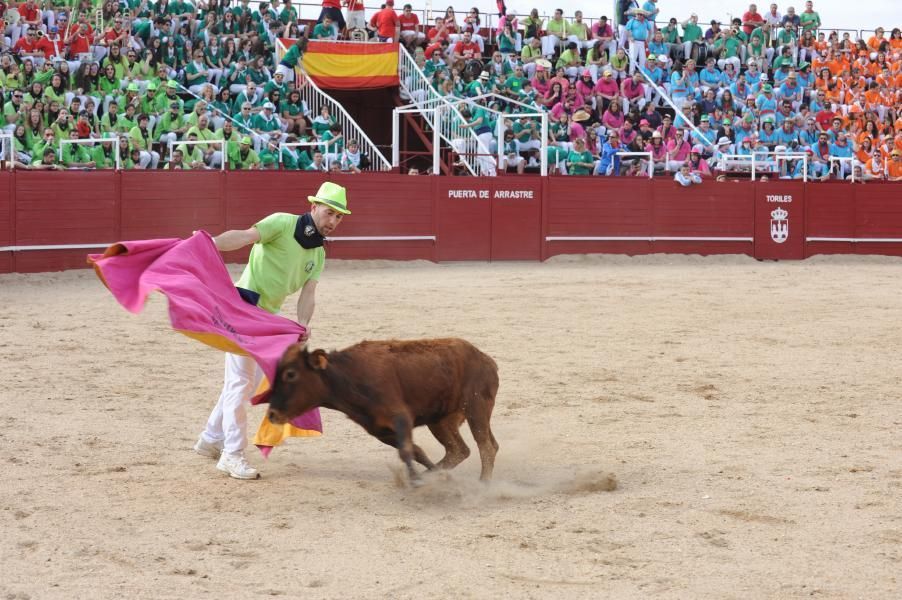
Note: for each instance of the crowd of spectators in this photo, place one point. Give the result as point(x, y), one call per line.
point(766, 84)
point(158, 76)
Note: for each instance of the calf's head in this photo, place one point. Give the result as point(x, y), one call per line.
point(299, 384)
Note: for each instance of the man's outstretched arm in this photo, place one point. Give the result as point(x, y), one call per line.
point(236, 239)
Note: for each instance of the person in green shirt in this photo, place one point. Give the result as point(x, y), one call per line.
point(76, 156)
point(141, 140)
point(692, 34)
point(196, 73)
point(243, 156)
point(177, 162)
point(726, 49)
point(323, 30)
point(48, 142)
point(104, 153)
point(265, 122)
point(287, 256)
point(570, 60)
point(809, 19)
point(193, 154)
point(276, 83)
point(580, 160)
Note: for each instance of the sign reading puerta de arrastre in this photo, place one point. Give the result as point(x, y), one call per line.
point(491, 194)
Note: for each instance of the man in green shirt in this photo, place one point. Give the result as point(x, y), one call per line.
point(692, 34)
point(76, 156)
point(243, 157)
point(809, 19)
point(287, 256)
point(104, 153)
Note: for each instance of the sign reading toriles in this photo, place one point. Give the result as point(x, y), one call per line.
point(489, 194)
point(779, 218)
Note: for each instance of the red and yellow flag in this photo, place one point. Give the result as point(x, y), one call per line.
point(352, 65)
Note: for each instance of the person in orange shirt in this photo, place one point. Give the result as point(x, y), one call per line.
point(863, 150)
point(875, 166)
point(876, 39)
point(895, 39)
point(894, 168)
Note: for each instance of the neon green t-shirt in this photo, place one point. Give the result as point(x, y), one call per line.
point(278, 264)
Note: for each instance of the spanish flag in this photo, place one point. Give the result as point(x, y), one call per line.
point(352, 65)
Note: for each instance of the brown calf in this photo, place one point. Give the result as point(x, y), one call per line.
point(390, 387)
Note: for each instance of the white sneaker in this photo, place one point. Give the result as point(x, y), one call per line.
point(236, 466)
point(205, 448)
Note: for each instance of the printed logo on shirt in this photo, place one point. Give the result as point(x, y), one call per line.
point(308, 267)
point(309, 230)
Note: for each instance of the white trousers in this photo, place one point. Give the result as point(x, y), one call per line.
point(228, 421)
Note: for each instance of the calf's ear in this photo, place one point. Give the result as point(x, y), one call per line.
point(317, 360)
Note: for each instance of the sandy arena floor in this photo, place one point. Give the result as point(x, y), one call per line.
point(750, 413)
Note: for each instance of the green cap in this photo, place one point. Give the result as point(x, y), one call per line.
point(132, 87)
point(727, 122)
point(172, 85)
point(151, 85)
point(333, 196)
point(246, 140)
point(768, 87)
point(705, 118)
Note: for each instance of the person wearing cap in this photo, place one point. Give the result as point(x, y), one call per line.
point(639, 31)
point(697, 163)
point(705, 136)
point(52, 45)
point(265, 122)
point(242, 155)
point(722, 149)
point(287, 255)
point(766, 103)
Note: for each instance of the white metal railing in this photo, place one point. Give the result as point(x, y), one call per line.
point(445, 117)
point(313, 96)
point(771, 163)
point(648, 156)
point(8, 150)
point(91, 143)
point(222, 146)
point(839, 160)
point(396, 135)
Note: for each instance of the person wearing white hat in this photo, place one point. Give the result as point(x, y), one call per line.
point(287, 255)
point(639, 32)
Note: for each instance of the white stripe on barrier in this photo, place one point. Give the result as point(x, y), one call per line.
point(855, 240)
point(635, 238)
point(361, 238)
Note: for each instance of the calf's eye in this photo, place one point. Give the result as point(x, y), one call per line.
point(290, 376)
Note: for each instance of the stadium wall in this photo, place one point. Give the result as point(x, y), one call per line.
point(400, 217)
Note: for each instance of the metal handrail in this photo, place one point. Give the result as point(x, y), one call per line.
point(447, 120)
point(651, 160)
point(312, 94)
point(222, 144)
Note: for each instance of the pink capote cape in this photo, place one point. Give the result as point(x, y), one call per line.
point(204, 305)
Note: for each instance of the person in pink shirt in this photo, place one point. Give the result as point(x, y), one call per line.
point(602, 30)
point(540, 83)
point(613, 117)
point(633, 92)
point(606, 89)
point(677, 150)
point(668, 131)
point(697, 164)
point(585, 86)
point(627, 133)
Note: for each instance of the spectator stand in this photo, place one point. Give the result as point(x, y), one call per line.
point(283, 146)
point(316, 99)
point(415, 86)
point(517, 110)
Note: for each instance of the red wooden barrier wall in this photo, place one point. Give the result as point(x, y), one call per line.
point(459, 218)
